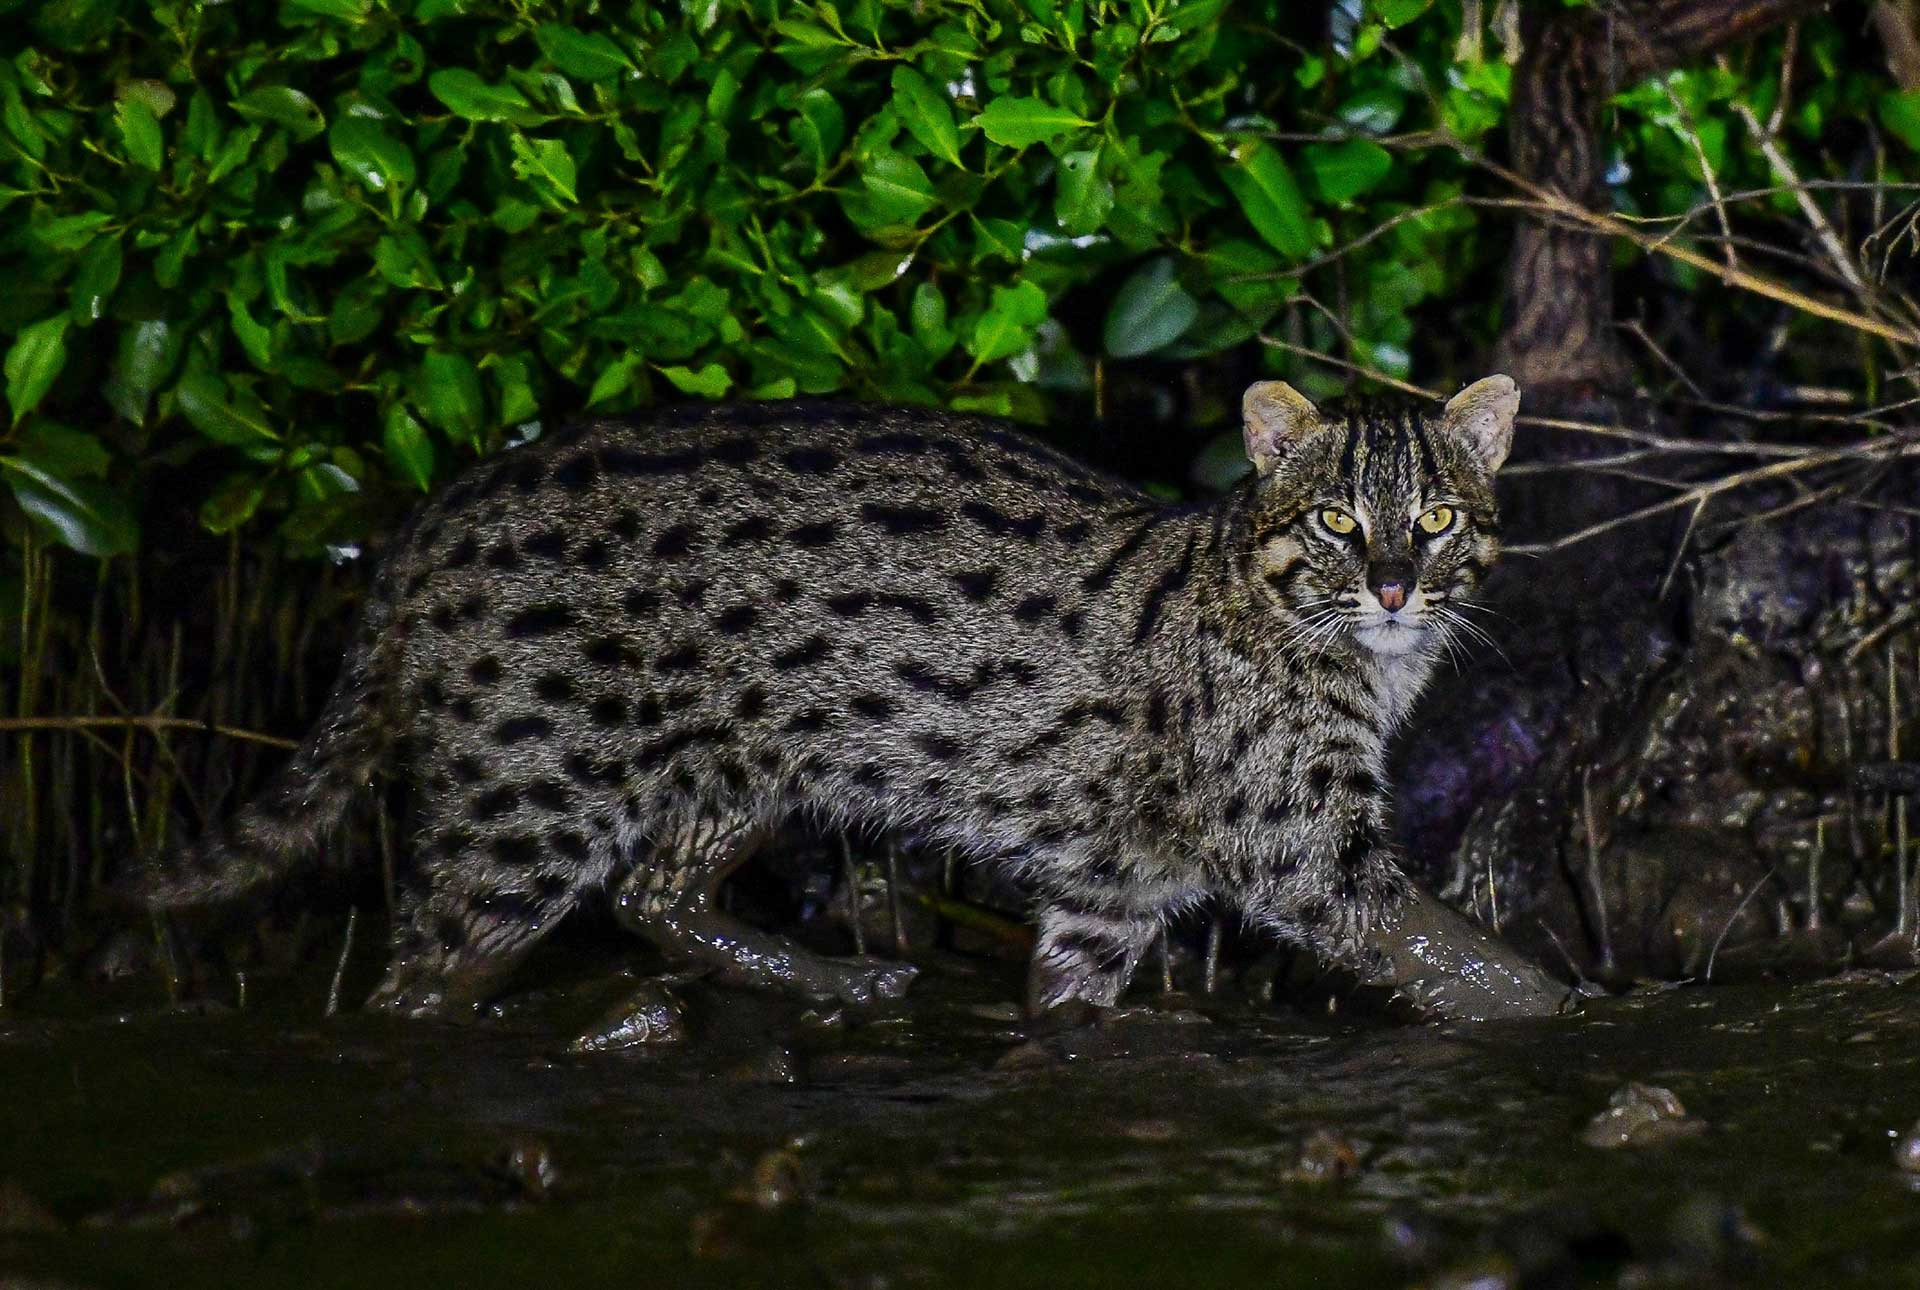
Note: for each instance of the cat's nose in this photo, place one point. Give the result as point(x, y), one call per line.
point(1392, 595)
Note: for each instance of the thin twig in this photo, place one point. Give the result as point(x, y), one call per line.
point(1733, 918)
point(340, 968)
point(154, 724)
point(1869, 450)
point(1543, 200)
point(1274, 342)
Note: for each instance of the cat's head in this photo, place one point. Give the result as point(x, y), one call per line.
point(1375, 519)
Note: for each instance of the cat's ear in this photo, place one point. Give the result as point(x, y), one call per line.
point(1482, 415)
point(1274, 417)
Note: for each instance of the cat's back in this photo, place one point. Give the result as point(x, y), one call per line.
point(839, 543)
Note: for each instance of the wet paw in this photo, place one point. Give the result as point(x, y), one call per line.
point(415, 1001)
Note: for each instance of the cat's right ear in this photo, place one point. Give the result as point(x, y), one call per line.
point(1274, 416)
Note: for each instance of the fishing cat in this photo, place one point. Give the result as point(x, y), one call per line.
point(622, 655)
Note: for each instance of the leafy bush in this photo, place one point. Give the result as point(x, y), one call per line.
point(294, 258)
point(306, 251)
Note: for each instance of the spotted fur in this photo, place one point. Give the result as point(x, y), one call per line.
point(620, 656)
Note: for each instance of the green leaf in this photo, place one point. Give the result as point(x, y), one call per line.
point(33, 360)
point(95, 280)
point(586, 54)
point(63, 451)
point(284, 106)
point(146, 355)
point(1398, 13)
point(140, 132)
point(83, 513)
point(1343, 171)
point(1083, 196)
point(349, 10)
point(447, 390)
point(997, 238)
point(1006, 328)
point(927, 315)
point(409, 450)
point(1260, 181)
point(1150, 311)
point(205, 400)
point(255, 339)
point(372, 156)
point(233, 503)
point(710, 382)
point(468, 96)
point(927, 114)
point(1900, 113)
point(1020, 122)
point(820, 128)
point(405, 260)
point(547, 166)
point(898, 189)
point(65, 233)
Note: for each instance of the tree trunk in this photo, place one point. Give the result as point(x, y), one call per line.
point(1559, 293)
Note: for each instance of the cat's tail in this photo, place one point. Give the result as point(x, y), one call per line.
point(287, 823)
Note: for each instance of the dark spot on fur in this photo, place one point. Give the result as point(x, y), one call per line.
point(515, 729)
point(978, 584)
point(736, 620)
point(805, 654)
point(877, 707)
point(1032, 609)
point(679, 659)
point(540, 620)
point(549, 544)
point(813, 535)
point(755, 528)
point(497, 802)
point(810, 461)
point(903, 521)
point(675, 542)
point(577, 472)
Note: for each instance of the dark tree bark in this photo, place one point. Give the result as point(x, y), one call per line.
point(1559, 292)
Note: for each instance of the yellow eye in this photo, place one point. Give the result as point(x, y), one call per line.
point(1338, 521)
point(1437, 521)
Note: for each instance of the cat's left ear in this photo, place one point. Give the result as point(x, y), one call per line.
point(1482, 415)
point(1274, 416)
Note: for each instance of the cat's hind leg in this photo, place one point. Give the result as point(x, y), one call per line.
point(454, 943)
point(1085, 957)
point(670, 900)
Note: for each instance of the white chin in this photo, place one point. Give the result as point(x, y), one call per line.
point(1390, 638)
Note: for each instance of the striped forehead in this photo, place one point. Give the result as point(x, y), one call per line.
point(1386, 454)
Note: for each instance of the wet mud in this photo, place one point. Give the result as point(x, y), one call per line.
point(1740, 1135)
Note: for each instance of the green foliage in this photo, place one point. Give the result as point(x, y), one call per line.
point(303, 253)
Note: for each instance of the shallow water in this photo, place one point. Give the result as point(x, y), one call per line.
point(939, 1145)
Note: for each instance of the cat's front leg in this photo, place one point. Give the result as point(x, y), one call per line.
point(1390, 931)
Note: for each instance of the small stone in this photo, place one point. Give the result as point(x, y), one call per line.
point(778, 1180)
point(1641, 1115)
point(1325, 1157)
point(775, 1065)
point(651, 1015)
point(1906, 1151)
point(528, 1163)
point(1031, 1055)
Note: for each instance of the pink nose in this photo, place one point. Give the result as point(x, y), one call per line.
point(1392, 596)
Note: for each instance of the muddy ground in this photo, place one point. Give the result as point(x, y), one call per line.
point(1186, 1141)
